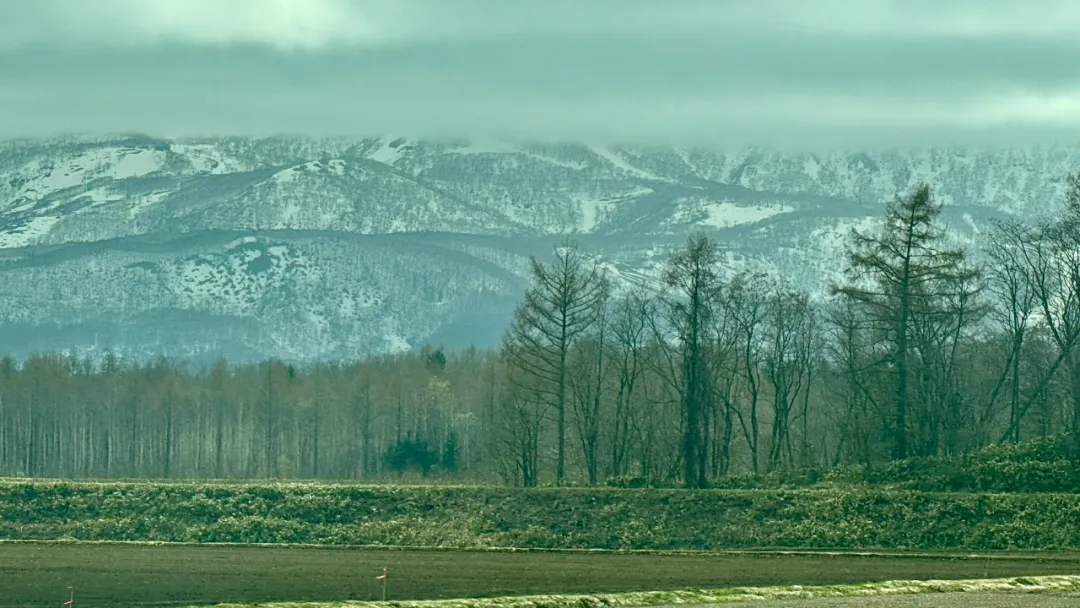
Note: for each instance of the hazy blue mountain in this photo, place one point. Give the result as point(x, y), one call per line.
point(314, 249)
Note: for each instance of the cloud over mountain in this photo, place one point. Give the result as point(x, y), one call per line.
point(780, 72)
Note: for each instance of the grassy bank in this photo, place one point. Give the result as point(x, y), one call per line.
point(477, 517)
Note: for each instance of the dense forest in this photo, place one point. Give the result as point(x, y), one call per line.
point(922, 350)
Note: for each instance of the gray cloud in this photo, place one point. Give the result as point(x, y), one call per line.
point(831, 72)
point(293, 24)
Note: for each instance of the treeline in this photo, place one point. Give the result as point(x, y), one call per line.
point(923, 349)
point(71, 418)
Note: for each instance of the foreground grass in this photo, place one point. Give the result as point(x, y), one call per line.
point(1029, 585)
point(485, 517)
point(935, 600)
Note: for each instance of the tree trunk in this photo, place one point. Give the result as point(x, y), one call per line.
point(902, 379)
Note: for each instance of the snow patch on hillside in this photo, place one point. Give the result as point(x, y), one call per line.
point(594, 210)
point(970, 221)
point(392, 336)
point(395, 343)
point(28, 233)
point(146, 201)
point(244, 240)
point(722, 214)
point(390, 152)
point(137, 163)
point(621, 164)
point(726, 215)
point(67, 175)
point(100, 196)
point(285, 175)
point(591, 212)
point(206, 158)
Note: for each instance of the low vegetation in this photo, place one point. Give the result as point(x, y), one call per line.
point(479, 517)
point(1046, 464)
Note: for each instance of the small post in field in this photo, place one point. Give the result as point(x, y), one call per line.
point(382, 578)
point(70, 602)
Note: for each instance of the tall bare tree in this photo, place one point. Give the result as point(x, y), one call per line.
point(890, 272)
point(588, 383)
point(1009, 253)
point(1051, 255)
point(1066, 245)
point(788, 361)
point(745, 300)
point(939, 325)
point(561, 305)
point(629, 330)
point(692, 275)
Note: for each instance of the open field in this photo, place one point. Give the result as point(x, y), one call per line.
point(144, 575)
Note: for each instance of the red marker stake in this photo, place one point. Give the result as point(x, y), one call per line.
point(382, 578)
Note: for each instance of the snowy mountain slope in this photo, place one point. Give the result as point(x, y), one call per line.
point(292, 294)
point(304, 249)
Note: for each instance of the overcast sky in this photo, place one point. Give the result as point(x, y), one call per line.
point(724, 72)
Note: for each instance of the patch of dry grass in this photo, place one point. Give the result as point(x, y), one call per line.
point(935, 600)
point(884, 594)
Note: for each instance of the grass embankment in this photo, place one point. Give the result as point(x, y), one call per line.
point(480, 517)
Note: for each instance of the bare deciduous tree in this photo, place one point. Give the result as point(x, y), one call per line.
point(890, 273)
point(560, 306)
point(788, 360)
point(691, 274)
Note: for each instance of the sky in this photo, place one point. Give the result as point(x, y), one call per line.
point(865, 73)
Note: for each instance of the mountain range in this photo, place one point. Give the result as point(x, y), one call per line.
point(334, 249)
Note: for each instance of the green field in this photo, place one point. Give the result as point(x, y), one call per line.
point(128, 575)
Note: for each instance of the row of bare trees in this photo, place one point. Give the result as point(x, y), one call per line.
point(658, 386)
point(376, 419)
point(923, 348)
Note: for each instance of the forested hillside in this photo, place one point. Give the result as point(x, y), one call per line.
point(923, 350)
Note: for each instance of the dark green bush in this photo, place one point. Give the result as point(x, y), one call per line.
point(1039, 465)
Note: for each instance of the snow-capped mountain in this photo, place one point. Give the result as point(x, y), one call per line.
point(317, 249)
